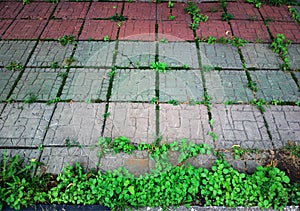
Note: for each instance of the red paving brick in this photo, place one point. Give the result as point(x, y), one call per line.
point(104, 9)
point(137, 30)
point(178, 10)
point(97, 29)
point(4, 24)
point(140, 11)
point(276, 13)
point(71, 10)
point(57, 28)
point(213, 28)
point(291, 30)
point(175, 30)
point(243, 11)
point(212, 10)
point(36, 10)
point(10, 9)
point(25, 29)
point(250, 30)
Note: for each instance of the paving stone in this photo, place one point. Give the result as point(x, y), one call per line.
point(276, 13)
point(243, 11)
point(135, 121)
point(24, 125)
point(83, 84)
point(184, 122)
point(58, 28)
point(180, 85)
point(137, 30)
point(2, 105)
point(133, 85)
point(135, 54)
point(294, 56)
point(48, 52)
point(97, 29)
point(289, 29)
point(227, 85)
point(297, 74)
point(213, 28)
point(140, 11)
point(10, 9)
point(104, 9)
point(7, 80)
point(71, 10)
point(177, 54)
point(260, 56)
point(25, 29)
point(240, 125)
point(26, 154)
point(36, 10)
point(178, 11)
point(220, 55)
point(4, 24)
point(77, 122)
point(174, 31)
point(43, 83)
point(254, 31)
point(56, 158)
point(212, 9)
point(275, 85)
point(96, 54)
point(15, 51)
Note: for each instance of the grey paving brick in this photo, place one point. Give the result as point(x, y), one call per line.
point(47, 52)
point(297, 75)
point(15, 51)
point(77, 122)
point(135, 121)
point(87, 83)
point(184, 122)
point(294, 56)
point(24, 125)
point(2, 105)
point(133, 85)
point(177, 54)
point(26, 154)
point(97, 54)
point(180, 85)
point(220, 55)
point(275, 85)
point(56, 158)
point(240, 125)
point(284, 124)
point(135, 54)
point(227, 85)
point(7, 80)
point(260, 56)
point(43, 83)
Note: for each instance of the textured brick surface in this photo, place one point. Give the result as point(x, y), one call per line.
point(137, 30)
point(211, 9)
point(297, 75)
point(174, 30)
point(178, 11)
point(97, 29)
point(213, 28)
point(104, 9)
point(36, 10)
point(180, 85)
point(135, 121)
point(294, 56)
point(275, 13)
point(289, 29)
point(228, 86)
point(77, 122)
point(58, 28)
point(7, 80)
point(10, 9)
point(83, 84)
point(24, 125)
point(4, 24)
point(275, 85)
point(140, 11)
point(71, 10)
point(133, 85)
point(242, 11)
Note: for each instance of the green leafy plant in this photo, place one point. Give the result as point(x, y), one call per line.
point(56, 100)
point(170, 4)
point(26, 2)
point(295, 14)
point(171, 17)
point(163, 40)
point(252, 85)
point(118, 18)
point(154, 100)
point(54, 65)
point(197, 17)
point(14, 66)
point(107, 114)
point(72, 143)
point(66, 39)
point(173, 102)
point(260, 104)
point(111, 74)
point(30, 98)
point(227, 16)
point(52, 1)
point(106, 38)
point(211, 40)
point(279, 45)
point(256, 3)
point(213, 135)
point(238, 151)
point(160, 67)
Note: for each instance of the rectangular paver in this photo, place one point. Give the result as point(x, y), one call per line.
point(140, 11)
point(289, 29)
point(97, 29)
point(57, 28)
point(104, 9)
point(137, 30)
point(174, 31)
point(10, 9)
point(275, 13)
point(211, 9)
point(215, 28)
point(243, 11)
point(36, 10)
point(7, 80)
point(71, 10)
point(294, 56)
point(4, 24)
point(178, 11)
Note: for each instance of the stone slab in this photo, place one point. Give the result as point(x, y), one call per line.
point(36, 10)
point(284, 124)
point(10, 9)
point(96, 54)
point(180, 85)
point(184, 122)
point(7, 80)
point(140, 11)
point(289, 29)
point(174, 31)
point(4, 24)
point(58, 28)
point(260, 56)
point(224, 56)
point(140, 30)
point(2, 105)
point(24, 125)
point(227, 85)
point(243, 11)
point(178, 54)
point(48, 52)
point(135, 121)
point(297, 75)
point(133, 85)
point(15, 51)
point(87, 83)
point(215, 28)
point(75, 122)
point(135, 54)
point(97, 29)
point(241, 125)
point(104, 9)
point(71, 10)
point(43, 83)
point(294, 56)
point(275, 85)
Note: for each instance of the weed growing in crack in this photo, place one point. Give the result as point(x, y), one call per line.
point(72, 143)
point(193, 10)
point(173, 102)
point(106, 38)
point(163, 40)
point(260, 104)
point(14, 66)
point(56, 100)
point(239, 152)
point(213, 135)
point(54, 65)
point(52, 1)
point(66, 39)
point(118, 18)
point(105, 115)
point(227, 17)
point(252, 85)
point(171, 17)
point(279, 45)
point(111, 73)
point(295, 14)
point(170, 4)
point(160, 67)
point(30, 98)
point(256, 3)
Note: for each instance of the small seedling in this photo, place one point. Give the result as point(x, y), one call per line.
point(154, 100)
point(72, 143)
point(211, 122)
point(106, 38)
point(173, 102)
point(88, 101)
point(163, 40)
point(229, 102)
point(171, 17)
point(52, 1)
point(62, 75)
point(185, 66)
point(30, 98)
point(257, 3)
point(40, 147)
point(111, 73)
point(275, 102)
point(70, 60)
point(160, 67)
point(260, 104)
point(211, 40)
point(207, 68)
point(279, 45)
point(227, 17)
point(26, 2)
point(66, 39)
point(170, 4)
point(107, 114)
point(54, 65)
point(117, 18)
point(14, 66)
point(56, 100)
point(213, 135)
point(252, 85)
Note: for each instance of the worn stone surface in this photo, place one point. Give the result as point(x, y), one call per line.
point(227, 85)
point(275, 85)
point(98, 29)
point(297, 75)
point(2, 105)
point(24, 125)
point(140, 30)
point(133, 85)
point(36, 10)
point(294, 56)
point(135, 121)
point(84, 84)
point(180, 85)
point(10, 9)
point(75, 122)
point(175, 31)
point(7, 80)
point(58, 28)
